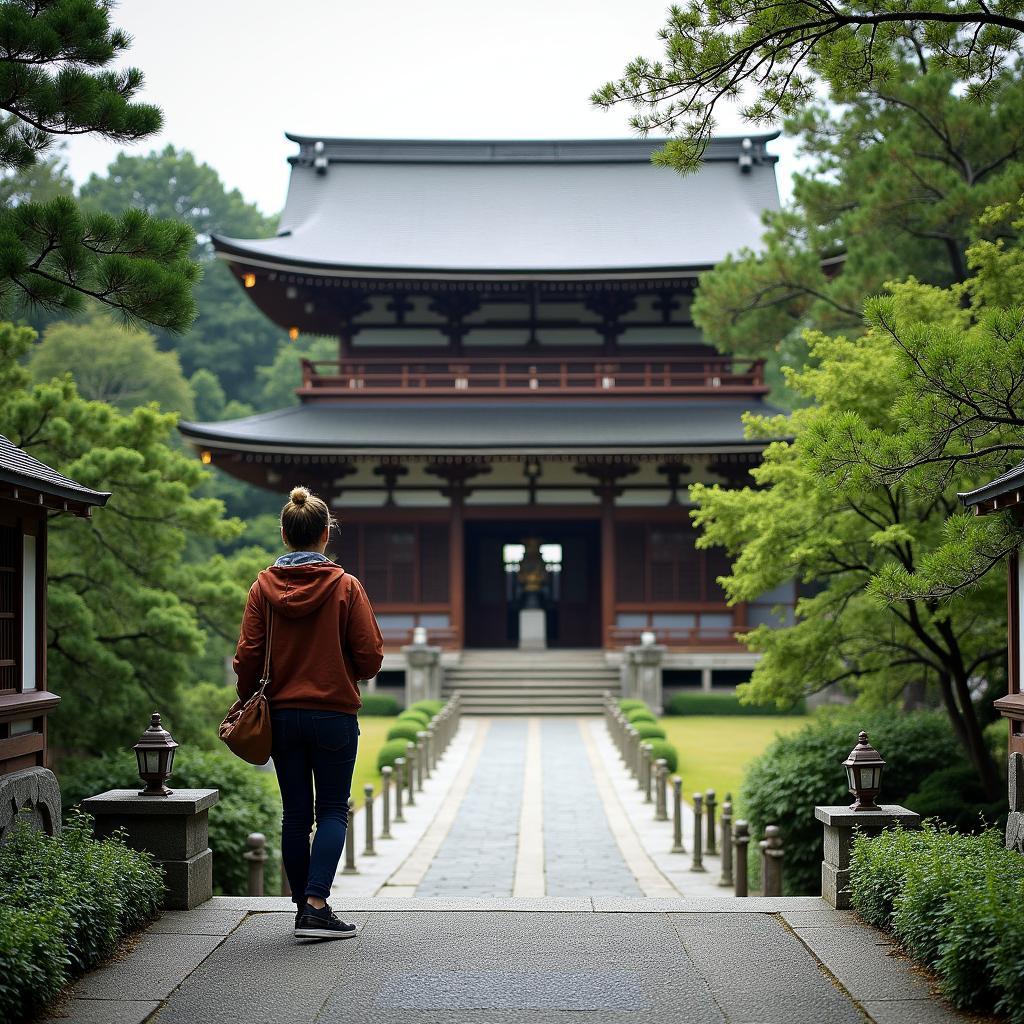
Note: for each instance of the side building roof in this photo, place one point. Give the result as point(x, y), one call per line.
point(25, 478)
point(1005, 491)
point(460, 208)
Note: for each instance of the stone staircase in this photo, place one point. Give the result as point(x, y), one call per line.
point(512, 682)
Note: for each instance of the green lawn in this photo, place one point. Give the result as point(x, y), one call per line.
point(372, 731)
point(714, 750)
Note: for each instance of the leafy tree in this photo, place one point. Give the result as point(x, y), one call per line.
point(771, 57)
point(130, 621)
point(54, 56)
point(279, 380)
point(44, 180)
point(861, 503)
point(230, 335)
point(122, 367)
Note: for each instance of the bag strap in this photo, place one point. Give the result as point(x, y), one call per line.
point(265, 681)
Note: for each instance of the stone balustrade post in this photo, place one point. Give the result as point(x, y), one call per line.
point(709, 814)
point(698, 834)
point(256, 855)
point(428, 753)
point(772, 855)
point(368, 850)
point(740, 844)
point(350, 841)
point(726, 827)
point(677, 815)
point(839, 823)
point(422, 673)
point(385, 801)
point(399, 786)
point(410, 773)
point(648, 765)
point(421, 759)
point(661, 786)
point(649, 658)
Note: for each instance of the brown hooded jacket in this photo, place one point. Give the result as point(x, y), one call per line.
point(325, 638)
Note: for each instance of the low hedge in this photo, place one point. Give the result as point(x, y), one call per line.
point(68, 902)
point(640, 715)
point(415, 716)
point(249, 802)
point(379, 705)
point(703, 703)
point(649, 731)
point(628, 704)
point(403, 731)
point(431, 707)
point(951, 900)
point(664, 749)
point(390, 752)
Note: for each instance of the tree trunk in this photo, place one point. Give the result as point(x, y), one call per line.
point(968, 732)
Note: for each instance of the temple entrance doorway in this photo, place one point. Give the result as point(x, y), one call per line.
point(551, 565)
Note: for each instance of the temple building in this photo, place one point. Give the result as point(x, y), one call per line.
point(520, 399)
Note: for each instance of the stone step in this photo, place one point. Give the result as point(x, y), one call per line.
point(491, 683)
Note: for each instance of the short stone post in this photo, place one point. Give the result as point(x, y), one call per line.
point(174, 829)
point(385, 802)
point(429, 743)
point(726, 827)
point(677, 815)
point(627, 673)
point(647, 766)
point(410, 773)
point(698, 838)
point(839, 823)
point(421, 664)
point(771, 861)
point(350, 841)
point(740, 843)
point(368, 850)
point(256, 855)
point(399, 785)
point(421, 759)
point(634, 756)
point(661, 786)
point(648, 658)
point(709, 814)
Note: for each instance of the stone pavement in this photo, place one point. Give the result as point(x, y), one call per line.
point(601, 960)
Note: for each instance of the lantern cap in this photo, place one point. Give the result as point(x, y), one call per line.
point(863, 753)
point(156, 735)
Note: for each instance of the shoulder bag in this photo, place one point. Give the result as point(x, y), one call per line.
point(246, 727)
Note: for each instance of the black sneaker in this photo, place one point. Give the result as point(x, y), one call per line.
point(322, 924)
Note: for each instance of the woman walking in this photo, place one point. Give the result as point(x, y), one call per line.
point(323, 638)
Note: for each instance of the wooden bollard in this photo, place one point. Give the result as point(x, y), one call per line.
point(399, 785)
point(660, 787)
point(256, 855)
point(647, 769)
point(740, 842)
point(368, 850)
point(677, 815)
point(698, 838)
point(385, 801)
point(350, 841)
point(410, 773)
point(771, 861)
point(726, 827)
point(709, 815)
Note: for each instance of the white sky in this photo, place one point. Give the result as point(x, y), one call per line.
point(232, 77)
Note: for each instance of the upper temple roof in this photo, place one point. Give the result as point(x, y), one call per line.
point(370, 207)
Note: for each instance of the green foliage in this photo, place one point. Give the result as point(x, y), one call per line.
point(379, 705)
point(951, 901)
point(771, 57)
point(411, 715)
point(406, 730)
point(390, 752)
point(249, 801)
point(203, 705)
point(431, 707)
point(804, 769)
point(638, 715)
point(108, 364)
point(629, 704)
point(278, 379)
point(661, 748)
point(701, 703)
point(649, 731)
point(68, 901)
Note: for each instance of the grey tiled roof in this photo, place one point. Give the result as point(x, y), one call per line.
point(513, 207)
point(1010, 481)
point(19, 469)
point(574, 425)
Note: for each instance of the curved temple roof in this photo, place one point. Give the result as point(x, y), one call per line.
point(362, 207)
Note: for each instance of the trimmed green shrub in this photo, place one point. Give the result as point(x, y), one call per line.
point(804, 768)
point(249, 802)
point(68, 902)
point(431, 707)
point(640, 715)
point(952, 901)
point(403, 731)
point(628, 705)
point(390, 752)
point(650, 731)
point(702, 703)
point(379, 705)
point(415, 716)
point(662, 748)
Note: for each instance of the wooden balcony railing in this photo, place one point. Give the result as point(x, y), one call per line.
point(680, 637)
point(491, 376)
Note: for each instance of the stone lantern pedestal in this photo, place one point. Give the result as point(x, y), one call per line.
point(422, 673)
point(174, 829)
point(647, 660)
point(840, 823)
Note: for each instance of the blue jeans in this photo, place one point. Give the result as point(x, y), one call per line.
point(313, 749)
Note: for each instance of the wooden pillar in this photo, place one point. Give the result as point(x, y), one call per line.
point(456, 566)
point(607, 564)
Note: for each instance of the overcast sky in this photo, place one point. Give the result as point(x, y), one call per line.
point(233, 77)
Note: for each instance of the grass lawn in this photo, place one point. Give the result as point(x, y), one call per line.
point(714, 750)
point(372, 730)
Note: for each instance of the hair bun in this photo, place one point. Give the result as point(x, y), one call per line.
point(299, 495)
